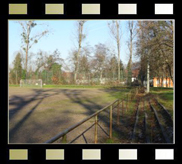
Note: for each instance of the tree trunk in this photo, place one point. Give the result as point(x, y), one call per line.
point(169, 82)
point(27, 48)
point(100, 76)
point(89, 78)
point(75, 76)
point(78, 53)
point(162, 81)
point(26, 63)
point(166, 81)
point(16, 78)
point(131, 48)
point(118, 46)
point(148, 78)
point(77, 62)
point(170, 72)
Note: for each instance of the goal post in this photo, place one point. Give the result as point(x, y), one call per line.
point(31, 83)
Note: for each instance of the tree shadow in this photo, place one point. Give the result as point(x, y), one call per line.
point(22, 102)
point(51, 128)
point(104, 120)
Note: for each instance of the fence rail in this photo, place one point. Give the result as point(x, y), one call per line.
point(110, 107)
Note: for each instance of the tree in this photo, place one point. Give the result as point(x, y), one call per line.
point(52, 64)
point(131, 26)
point(144, 45)
point(100, 58)
point(80, 36)
point(27, 39)
point(46, 65)
point(51, 59)
point(84, 65)
point(129, 73)
point(115, 29)
point(12, 76)
point(56, 69)
point(155, 47)
point(142, 73)
point(122, 70)
point(18, 67)
point(113, 66)
point(40, 60)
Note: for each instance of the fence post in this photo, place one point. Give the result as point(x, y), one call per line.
point(110, 133)
point(64, 139)
point(118, 114)
point(96, 131)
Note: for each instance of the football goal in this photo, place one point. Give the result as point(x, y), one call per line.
point(31, 83)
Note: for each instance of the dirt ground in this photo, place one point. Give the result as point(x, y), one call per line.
point(36, 115)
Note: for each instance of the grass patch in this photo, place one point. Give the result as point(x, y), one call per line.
point(165, 97)
point(161, 89)
point(75, 86)
point(114, 139)
point(14, 85)
point(109, 141)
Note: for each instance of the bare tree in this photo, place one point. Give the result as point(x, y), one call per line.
point(40, 60)
point(100, 58)
point(80, 36)
point(27, 39)
point(115, 29)
point(131, 26)
point(113, 66)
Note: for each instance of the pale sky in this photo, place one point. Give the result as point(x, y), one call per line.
point(61, 37)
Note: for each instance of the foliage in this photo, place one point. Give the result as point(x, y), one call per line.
point(100, 64)
point(16, 72)
point(155, 43)
point(129, 74)
point(165, 96)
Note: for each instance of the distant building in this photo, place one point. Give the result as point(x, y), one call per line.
point(165, 82)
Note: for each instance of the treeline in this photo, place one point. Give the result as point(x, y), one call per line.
point(100, 68)
point(150, 41)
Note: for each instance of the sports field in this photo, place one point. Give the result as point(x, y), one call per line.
point(36, 115)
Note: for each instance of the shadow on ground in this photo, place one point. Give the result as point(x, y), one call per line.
point(24, 131)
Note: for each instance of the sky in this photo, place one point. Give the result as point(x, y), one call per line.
point(61, 37)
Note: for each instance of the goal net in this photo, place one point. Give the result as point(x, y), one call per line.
point(31, 83)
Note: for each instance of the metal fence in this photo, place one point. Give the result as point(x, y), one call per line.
point(111, 106)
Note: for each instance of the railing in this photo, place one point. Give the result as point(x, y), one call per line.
point(66, 131)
